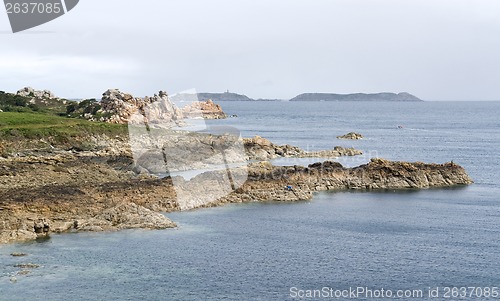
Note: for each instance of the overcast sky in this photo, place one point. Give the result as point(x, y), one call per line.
point(435, 49)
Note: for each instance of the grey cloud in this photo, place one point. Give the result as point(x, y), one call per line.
point(434, 49)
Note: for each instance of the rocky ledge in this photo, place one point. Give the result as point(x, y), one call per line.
point(259, 148)
point(290, 183)
point(60, 192)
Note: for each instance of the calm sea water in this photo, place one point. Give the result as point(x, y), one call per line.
point(381, 240)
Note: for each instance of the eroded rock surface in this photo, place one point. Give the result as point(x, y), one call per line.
point(259, 148)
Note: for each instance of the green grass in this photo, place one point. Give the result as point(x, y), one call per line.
point(19, 127)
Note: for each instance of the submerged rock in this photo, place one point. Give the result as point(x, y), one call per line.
point(27, 266)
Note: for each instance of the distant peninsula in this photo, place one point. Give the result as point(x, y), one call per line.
point(403, 96)
point(385, 96)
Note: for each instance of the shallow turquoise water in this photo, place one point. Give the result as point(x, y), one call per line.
point(391, 240)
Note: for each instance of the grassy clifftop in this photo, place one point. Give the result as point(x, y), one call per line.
point(31, 123)
point(26, 130)
point(39, 125)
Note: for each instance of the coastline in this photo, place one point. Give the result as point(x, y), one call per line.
point(98, 191)
point(62, 174)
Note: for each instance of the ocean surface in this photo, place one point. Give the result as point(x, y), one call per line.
point(406, 240)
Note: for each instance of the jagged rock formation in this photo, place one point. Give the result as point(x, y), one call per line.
point(119, 107)
point(403, 96)
point(40, 94)
point(351, 136)
point(206, 109)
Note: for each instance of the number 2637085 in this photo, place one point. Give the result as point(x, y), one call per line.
point(33, 8)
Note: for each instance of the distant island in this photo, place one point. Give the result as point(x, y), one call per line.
point(403, 96)
point(226, 96)
point(385, 96)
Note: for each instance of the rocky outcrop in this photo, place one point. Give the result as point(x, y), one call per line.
point(82, 191)
point(206, 109)
point(351, 136)
point(259, 148)
point(291, 183)
point(40, 220)
point(119, 107)
point(40, 94)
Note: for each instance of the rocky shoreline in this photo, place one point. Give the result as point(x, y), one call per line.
point(64, 191)
point(118, 171)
